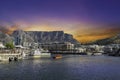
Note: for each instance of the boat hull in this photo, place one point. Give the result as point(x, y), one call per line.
point(57, 56)
point(42, 55)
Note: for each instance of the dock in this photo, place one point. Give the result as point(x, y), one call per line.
point(10, 56)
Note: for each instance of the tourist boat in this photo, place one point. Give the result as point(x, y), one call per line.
point(58, 56)
point(39, 54)
point(98, 53)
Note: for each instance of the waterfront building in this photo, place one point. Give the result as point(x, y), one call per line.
point(27, 44)
point(57, 46)
point(92, 48)
point(80, 49)
point(112, 48)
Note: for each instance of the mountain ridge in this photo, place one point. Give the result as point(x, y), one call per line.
point(111, 40)
point(42, 36)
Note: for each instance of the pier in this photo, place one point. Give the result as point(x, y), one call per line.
point(10, 57)
point(10, 54)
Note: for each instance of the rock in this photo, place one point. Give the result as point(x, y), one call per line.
point(111, 40)
point(42, 37)
point(20, 37)
point(5, 38)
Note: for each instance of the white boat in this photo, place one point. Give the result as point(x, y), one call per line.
point(89, 53)
point(94, 54)
point(98, 54)
point(39, 54)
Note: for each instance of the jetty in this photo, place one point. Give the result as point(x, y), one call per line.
point(10, 57)
point(10, 54)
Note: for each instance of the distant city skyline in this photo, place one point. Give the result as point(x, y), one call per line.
point(87, 20)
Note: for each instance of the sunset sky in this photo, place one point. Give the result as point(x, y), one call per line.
point(87, 20)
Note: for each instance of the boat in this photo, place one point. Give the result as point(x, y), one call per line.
point(58, 56)
point(35, 54)
point(97, 54)
point(39, 54)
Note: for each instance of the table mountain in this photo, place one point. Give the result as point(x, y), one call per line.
point(5, 38)
point(42, 36)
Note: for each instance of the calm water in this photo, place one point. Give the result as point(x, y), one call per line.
point(72, 67)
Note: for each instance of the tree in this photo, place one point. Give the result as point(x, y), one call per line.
point(10, 45)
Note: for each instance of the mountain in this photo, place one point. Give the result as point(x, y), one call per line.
point(111, 40)
point(5, 38)
point(42, 37)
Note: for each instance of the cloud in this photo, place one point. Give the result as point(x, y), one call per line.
point(96, 33)
point(9, 29)
point(4, 29)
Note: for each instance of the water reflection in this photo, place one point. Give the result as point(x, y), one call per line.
point(72, 67)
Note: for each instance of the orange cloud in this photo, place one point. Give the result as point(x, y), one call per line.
point(50, 27)
point(95, 34)
point(9, 29)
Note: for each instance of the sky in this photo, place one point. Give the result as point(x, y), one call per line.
point(87, 20)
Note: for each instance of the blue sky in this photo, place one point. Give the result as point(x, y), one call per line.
point(79, 15)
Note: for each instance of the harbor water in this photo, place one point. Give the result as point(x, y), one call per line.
point(70, 67)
